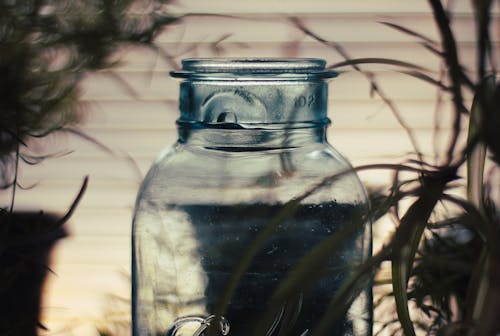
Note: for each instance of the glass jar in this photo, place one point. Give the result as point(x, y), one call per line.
point(233, 210)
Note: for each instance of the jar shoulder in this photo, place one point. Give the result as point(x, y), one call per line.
point(180, 160)
point(187, 172)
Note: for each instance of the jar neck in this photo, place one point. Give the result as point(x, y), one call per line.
point(250, 104)
point(235, 137)
point(253, 100)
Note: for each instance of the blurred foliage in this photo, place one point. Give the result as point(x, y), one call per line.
point(47, 49)
point(445, 275)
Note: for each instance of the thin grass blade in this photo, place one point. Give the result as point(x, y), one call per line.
point(426, 78)
point(374, 60)
point(409, 32)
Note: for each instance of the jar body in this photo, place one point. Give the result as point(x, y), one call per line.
point(201, 207)
point(249, 197)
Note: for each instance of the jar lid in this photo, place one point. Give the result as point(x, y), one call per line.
point(258, 66)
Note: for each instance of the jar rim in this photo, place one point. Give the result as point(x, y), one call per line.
point(258, 66)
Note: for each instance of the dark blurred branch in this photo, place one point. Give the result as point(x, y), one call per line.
point(14, 181)
point(75, 203)
point(375, 87)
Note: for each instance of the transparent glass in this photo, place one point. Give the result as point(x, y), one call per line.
point(248, 179)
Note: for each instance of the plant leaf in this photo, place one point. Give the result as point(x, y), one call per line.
point(432, 49)
point(426, 78)
point(477, 156)
point(410, 32)
point(408, 236)
point(376, 60)
point(489, 94)
point(400, 274)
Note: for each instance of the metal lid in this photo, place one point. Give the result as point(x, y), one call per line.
point(258, 66)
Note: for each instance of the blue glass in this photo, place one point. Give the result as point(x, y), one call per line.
point(252, 141)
